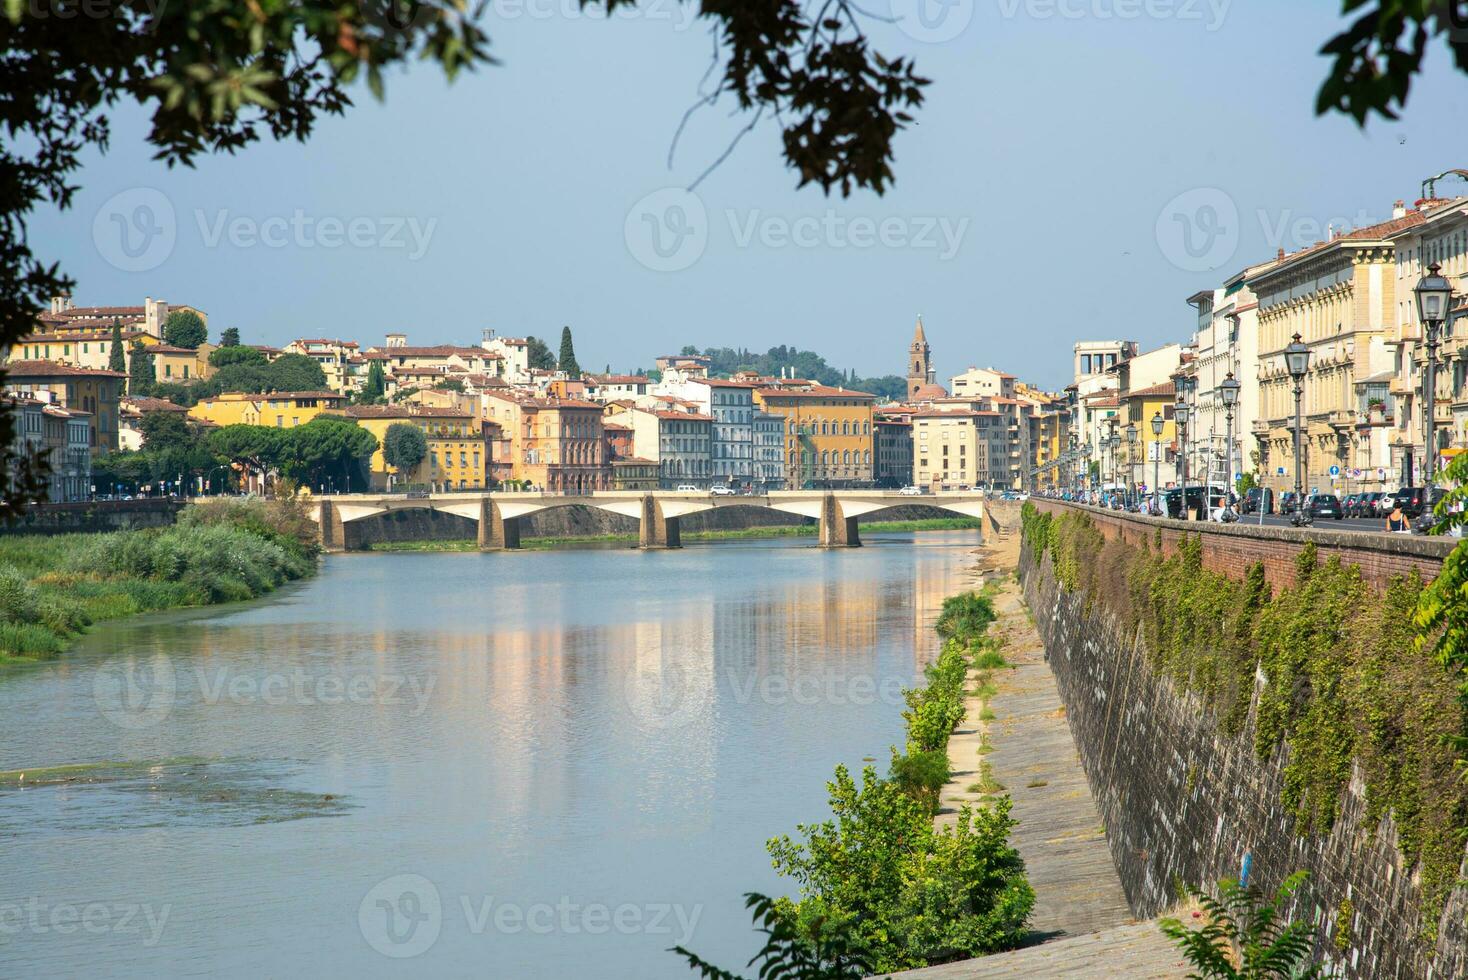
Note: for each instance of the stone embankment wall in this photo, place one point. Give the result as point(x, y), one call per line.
point(95, 516)
point(1183, 803)
point(563, 522)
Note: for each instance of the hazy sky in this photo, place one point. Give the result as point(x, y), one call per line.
point(1066, 150)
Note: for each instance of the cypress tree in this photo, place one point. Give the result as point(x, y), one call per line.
point(567, 361)
point(117, 359)
point(140, 370)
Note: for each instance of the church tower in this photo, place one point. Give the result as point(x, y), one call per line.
point(919, 361)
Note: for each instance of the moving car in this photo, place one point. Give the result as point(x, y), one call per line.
point(686, 488)
point(1324, 505)
point(719, 490)
point(910, 491)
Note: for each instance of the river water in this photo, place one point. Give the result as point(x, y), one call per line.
point(536, 765)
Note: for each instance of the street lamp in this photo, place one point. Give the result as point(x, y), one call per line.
point(1180, 416)
point(1434, 299)
point(1229, 389)
point(1157, 424)
point(1131, 452)
point(1297, 362)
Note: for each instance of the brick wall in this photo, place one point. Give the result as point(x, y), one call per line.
point(1182, 803)
point(1231, 548)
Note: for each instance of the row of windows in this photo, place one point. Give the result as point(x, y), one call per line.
point(832, 458)
point(847, 428)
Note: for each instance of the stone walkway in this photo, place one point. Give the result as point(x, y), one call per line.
point(1081, 922)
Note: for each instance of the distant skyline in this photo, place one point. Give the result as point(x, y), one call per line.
point(1071, 177)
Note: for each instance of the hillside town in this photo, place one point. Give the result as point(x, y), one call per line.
point(95, 384)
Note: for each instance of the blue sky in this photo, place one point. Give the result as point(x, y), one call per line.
point(1065, 148)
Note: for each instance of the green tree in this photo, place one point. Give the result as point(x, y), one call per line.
point(374, 390)
point(117, 356)
point(404, 446)
point(256, 448)
point(909, 894)
point(449, 384)
point(567, 361)
point(328, 448)
point(226, 354)
point(538, 355)
point(825, 952)
point(1442, 608)
point(166, 430)
point(1247, 936)
point(184, 328)
point(229, 337)
point(295, 372)
point(140, 370)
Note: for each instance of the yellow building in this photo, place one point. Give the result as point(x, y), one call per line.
point(458, 454)
point(181, 363)
point(281, 409)
point(828, 433)
point(96, 394)
point(1151, 459)
point(84, 349)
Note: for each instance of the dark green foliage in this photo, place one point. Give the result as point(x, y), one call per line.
point(1377, 57)
point(1268, 944)
point(117, 354)
point(374, 389)
point(823, 952)
point(726, 361)
point(184, 328)
point(538, 355)
point(566, 363)
point(226, 354)
point(140, 370)
point(229, 337)
point(404, 446)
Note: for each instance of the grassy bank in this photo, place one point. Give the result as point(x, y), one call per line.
point(771, 531)
point(53, 588)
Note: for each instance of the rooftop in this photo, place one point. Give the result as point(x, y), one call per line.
point(55, 369)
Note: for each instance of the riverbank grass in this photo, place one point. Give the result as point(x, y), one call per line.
point(53, 587)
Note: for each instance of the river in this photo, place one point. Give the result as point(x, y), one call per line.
point(535, 765)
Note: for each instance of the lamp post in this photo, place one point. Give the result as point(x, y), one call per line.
point(1131, 454)
point(1434, 299)
point(1297, 361)
point(1229, 389)
point(1157, 424)
point(1180, 416)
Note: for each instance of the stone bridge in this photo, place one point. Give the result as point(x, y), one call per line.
point(498, 514)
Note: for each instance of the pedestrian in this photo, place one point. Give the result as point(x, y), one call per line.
point(1396, 520)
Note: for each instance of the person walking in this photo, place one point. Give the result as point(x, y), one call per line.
point(1396, 520)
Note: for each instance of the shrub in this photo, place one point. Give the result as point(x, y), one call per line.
point(966, 615)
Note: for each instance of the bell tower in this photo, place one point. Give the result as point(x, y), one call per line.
point(919, 361)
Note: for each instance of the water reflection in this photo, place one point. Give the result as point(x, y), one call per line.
point(559, 734)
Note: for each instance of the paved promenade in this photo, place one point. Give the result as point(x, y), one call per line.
point(1082, 925)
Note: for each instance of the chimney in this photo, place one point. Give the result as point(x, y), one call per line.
point(1279, 257)
point(1399, 209)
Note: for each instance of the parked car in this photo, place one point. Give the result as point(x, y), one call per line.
point(686, 488)
point(1378, 503)
point(1324, 505)
point(1287, 502)
point(719, 490)
point(1411, 500)
point(911, 491)
point(1350, 504)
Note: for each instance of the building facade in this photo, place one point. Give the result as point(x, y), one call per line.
point(920, 372)
point(828, 434)
point(893, 447)
point(457, 457)
point(96, 393)
point(278, 409)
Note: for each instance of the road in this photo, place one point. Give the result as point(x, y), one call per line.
point(1368, 525)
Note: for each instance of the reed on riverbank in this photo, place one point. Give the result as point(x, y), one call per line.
point(53, 587)
point(767, 531)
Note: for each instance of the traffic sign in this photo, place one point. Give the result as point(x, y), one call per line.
point(1336, 470)
point(1280, 471)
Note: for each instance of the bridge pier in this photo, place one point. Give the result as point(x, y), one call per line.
point(497, 532)
point(333, 531)
point(837, 530)
point(656, 530)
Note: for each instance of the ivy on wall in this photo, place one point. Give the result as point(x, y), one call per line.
point(1345, 682)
